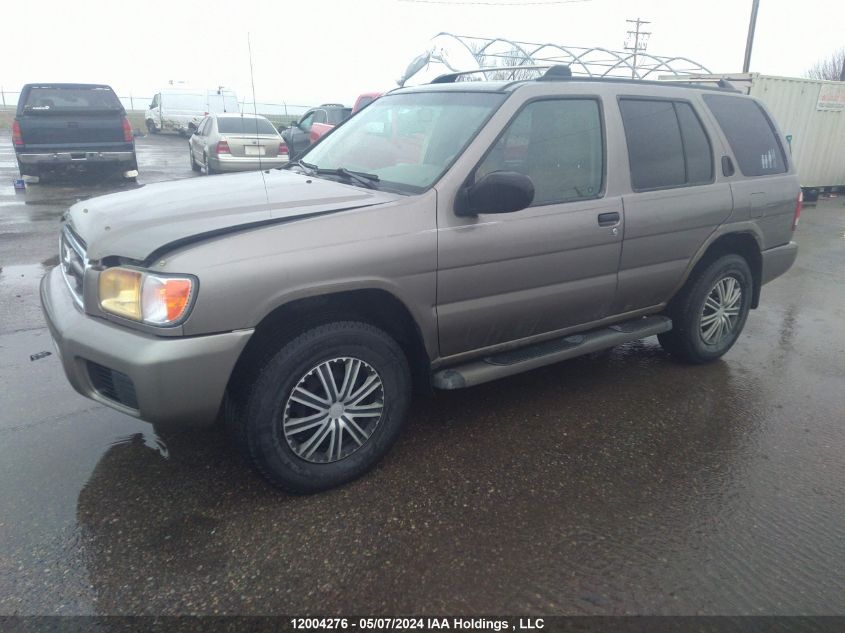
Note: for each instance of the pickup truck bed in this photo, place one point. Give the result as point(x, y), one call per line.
point(69, 125)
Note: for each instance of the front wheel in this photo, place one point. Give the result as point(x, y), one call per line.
point(151, 127)
point(194, 165)
point(710, 312)
point(325, 408)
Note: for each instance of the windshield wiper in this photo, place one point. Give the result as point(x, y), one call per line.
point(367, 180)
point(308, 168)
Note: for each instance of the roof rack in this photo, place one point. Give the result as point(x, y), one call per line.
point(720, 82)
point(562, 72)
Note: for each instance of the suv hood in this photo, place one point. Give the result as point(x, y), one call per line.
point(136, 224)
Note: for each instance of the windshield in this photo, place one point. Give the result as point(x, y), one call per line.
point(407, 140)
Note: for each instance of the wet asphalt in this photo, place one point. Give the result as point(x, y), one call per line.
point(617, 483)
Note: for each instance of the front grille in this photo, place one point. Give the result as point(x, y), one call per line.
point(113, 385)
point(73, 262)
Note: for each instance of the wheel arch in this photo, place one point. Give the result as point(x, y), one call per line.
point(375, 306)
point(744, 243)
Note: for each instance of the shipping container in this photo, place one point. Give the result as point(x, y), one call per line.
point(811, 115)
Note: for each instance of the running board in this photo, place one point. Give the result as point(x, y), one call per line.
point(525, 358)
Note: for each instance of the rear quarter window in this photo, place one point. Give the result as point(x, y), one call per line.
point(750, 134)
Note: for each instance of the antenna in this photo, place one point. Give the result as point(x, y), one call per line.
point(254, 105)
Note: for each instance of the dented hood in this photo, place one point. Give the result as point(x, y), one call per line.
point(135, 224)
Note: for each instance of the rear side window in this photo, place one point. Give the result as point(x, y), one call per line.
point(244, 125)
point(55, 98)
point(750, 134)
point(667, 145)
point(556, 143)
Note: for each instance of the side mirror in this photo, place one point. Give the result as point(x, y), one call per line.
point(497, 192)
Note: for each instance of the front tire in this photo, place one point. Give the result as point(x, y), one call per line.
point(194, 165)
point(151, 127)
point(709, 313)
point(325, 408)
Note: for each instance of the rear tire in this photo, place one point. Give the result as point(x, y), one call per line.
point(710, 311)
point(305, 447)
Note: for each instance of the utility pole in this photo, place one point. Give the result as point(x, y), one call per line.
point(636, 41)
point(749, 43)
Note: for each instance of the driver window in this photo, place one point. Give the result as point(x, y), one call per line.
point(307, 120)
point(556, 143)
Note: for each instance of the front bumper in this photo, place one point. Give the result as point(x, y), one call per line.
point(238, 163)
point(175, 380)
point(778, 260)
point(64, 158)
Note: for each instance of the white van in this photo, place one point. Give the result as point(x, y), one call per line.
point(181, 109)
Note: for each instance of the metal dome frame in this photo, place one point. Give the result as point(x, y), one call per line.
point(590, 62)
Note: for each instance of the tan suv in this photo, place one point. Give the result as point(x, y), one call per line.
point(445, 236)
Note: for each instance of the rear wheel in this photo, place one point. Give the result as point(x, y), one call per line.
point(710, 312)
point(325, 408)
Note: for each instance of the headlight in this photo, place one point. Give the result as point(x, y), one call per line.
point(146, 297)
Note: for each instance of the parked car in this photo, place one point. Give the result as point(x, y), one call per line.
point(314, 124)
point(70, 126)
point(181, 109)
point(448, 235)
point(236, 142)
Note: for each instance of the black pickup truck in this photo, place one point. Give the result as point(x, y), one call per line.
point(65, 126)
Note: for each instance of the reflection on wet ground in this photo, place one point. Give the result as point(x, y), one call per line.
point(618, 483)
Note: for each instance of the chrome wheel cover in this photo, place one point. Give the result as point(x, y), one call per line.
point(720, 314)
point(333, 410)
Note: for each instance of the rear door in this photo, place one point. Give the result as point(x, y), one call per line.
point(70, 117)
point(765, 187)
point(676, 198)
point(513, 276)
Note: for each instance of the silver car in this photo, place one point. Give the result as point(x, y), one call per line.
point(236, 142)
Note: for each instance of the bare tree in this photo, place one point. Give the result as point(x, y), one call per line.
point(831, 68)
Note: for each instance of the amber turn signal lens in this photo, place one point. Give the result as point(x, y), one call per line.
point(165, 299)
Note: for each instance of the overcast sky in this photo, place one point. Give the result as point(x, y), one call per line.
point(331, 50)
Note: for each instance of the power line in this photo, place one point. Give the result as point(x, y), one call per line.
point(517, 3)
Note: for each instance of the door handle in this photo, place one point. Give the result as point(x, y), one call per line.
point(609, 219)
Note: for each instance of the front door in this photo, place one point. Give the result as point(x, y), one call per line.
point(506, 277)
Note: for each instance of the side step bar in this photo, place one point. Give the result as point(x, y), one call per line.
point(525, 358)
